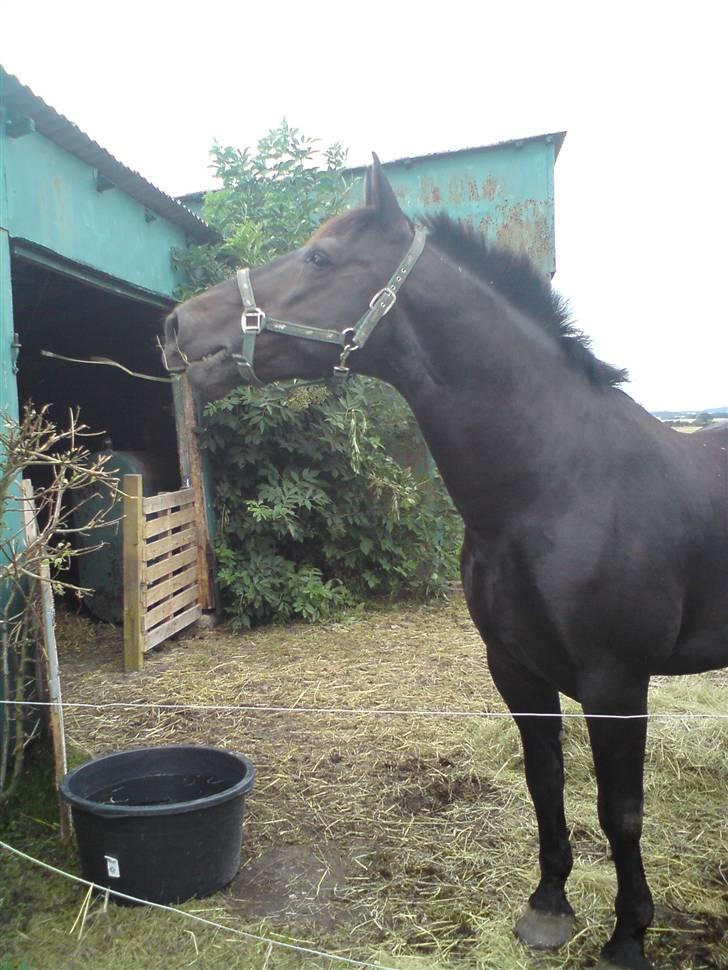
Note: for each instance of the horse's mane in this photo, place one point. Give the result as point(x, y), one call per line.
point(515, 277)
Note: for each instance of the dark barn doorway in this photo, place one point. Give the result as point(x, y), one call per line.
point(132, 418)
point(73, 318)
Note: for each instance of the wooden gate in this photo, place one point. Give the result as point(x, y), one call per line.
point(162, 567)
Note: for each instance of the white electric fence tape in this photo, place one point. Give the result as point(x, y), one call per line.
point(200, 919)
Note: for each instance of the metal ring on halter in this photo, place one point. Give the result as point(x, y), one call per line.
point(341, 370)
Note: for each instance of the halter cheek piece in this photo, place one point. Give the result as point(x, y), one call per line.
point(255, 320)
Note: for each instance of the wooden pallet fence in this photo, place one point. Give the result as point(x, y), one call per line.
point(161, 568)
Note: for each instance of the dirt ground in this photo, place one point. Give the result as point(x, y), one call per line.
point(409, 837)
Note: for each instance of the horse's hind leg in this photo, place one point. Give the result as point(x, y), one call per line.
point(549, 919)
point(618, 747)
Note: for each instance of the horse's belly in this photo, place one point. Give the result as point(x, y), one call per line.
point(696, 653)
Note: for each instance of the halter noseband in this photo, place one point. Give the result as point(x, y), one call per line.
point(255, 320)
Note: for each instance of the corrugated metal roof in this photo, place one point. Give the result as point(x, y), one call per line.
point(557, 137)
point(21, 102)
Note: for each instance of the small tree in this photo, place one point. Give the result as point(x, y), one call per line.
point(313, 511)
point(270, 201)
point(71, 475)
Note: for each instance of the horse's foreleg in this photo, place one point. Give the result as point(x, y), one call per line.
point(618, 747)
point(549, 919)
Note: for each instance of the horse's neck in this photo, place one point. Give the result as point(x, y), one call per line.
point(504, 414)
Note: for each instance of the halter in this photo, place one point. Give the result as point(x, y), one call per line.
point(254, 320)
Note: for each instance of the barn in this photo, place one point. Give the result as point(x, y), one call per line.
point(87, 271)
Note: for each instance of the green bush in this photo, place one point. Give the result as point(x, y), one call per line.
point(314, 513)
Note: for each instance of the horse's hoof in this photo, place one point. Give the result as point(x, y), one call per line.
point(544, 931)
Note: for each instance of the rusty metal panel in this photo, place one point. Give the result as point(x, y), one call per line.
point(506, 191)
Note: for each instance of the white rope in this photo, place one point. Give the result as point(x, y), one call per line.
point(367, 712)
point(109, 363)
point(200, 919)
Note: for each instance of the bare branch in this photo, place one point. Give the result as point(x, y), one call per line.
point(70, 470)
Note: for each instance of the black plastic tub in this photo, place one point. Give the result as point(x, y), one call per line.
point(163, 824)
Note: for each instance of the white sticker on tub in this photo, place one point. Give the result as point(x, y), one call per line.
point(112, 867)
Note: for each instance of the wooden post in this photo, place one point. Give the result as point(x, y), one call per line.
point(49, 656)
point(191, 467)
point(133, 572)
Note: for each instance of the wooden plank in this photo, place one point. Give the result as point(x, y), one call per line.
point(163, 518)
point(170, 586)
point(49, 657)
point(133, 545)
point(168, 500)
point(191, 466)
point(152, 550)
point(165, 523)
point(172, 626)
point(167, 566)
point(171, 606)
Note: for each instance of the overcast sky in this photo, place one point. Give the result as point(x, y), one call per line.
point(641, 88)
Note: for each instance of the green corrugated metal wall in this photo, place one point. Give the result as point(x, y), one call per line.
point(506, 191)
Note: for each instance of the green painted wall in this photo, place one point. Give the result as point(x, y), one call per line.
point(52, 202)
point(12, 521)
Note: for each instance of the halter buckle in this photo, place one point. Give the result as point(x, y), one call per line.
point(384, 300)
point(254, 314)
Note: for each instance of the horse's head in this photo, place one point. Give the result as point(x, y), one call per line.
point(301, 314)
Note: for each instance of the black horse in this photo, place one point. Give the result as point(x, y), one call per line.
point(596, 538)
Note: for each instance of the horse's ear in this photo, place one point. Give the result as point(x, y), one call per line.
point(379, 195)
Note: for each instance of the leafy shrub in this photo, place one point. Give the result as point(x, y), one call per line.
point(314, 514)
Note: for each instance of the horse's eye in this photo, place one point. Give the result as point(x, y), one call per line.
point(319, 258)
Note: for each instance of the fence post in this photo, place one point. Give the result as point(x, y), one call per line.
point(48, 658)
point(133, 536)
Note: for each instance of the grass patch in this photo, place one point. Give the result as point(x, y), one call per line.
point(405, 840)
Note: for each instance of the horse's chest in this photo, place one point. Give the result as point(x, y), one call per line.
point(508, 605)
